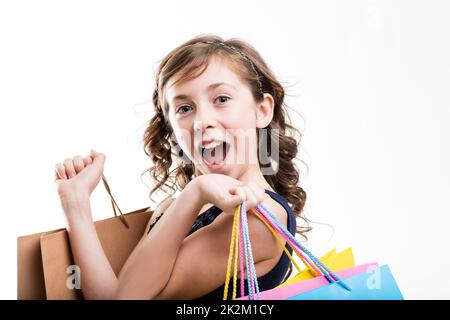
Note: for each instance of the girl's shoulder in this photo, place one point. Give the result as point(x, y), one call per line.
point(277, 205)
point(159, 210)
point(281, 208)
point(163, 205)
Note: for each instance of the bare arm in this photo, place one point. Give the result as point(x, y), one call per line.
point(150, 266)
point(98, 280)
point(145, 276)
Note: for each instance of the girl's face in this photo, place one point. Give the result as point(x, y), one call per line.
point(214, 118)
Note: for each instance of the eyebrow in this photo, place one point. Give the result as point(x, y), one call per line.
point(208, 88)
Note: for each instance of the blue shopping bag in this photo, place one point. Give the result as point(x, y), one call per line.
point(375, 284)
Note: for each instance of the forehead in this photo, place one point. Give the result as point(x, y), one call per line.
point(218, 70)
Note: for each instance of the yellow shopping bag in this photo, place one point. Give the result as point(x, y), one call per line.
point(334, 261)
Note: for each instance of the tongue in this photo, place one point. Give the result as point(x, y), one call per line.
point(215, 155)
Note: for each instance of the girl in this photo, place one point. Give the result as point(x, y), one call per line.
point(218, 106)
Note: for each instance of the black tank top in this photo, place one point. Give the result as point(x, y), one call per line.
point(271, 279)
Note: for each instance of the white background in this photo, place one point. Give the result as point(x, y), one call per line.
point(370, 78)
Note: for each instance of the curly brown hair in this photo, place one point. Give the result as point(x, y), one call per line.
point(188, 61)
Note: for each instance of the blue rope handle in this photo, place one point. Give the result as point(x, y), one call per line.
point(251, 272)
point(316, 261)
point(246, 254)
point(309, 254)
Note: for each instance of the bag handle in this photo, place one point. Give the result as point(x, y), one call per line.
point(237, 246)
point(272, 223)
point(252, 280)
point(330, 275)
point(280, 242)
point(294, 247)
point(114, 203)
point(240, 244)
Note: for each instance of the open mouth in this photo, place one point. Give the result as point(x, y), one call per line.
point(215, 152)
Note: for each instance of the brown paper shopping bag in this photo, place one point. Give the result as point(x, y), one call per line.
point(30, 274)
point(45, 266)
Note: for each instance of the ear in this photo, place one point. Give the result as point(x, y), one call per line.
point(264, 111)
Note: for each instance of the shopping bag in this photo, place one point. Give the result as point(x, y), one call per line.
point(291, 290)
point(335, 261)
point(45, 267)
point(326, 285)
point(373, 284)
point(30, 273)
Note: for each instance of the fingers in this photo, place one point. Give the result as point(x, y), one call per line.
point(78, 163)
point(251, 193)
point(241, 194)
point(71, 167)
point(98, 159)
point(70, 170)
point(229, 200)
point(254, 195)
point(251, 201)
point(60, 171)
point(87, 160)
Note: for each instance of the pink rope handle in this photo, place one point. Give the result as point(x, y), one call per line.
point(291, 243)
point(241, 257)
point(250, 272)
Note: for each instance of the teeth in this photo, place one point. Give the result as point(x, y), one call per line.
point(211, 145)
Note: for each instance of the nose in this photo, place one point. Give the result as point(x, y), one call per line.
point(204, 119)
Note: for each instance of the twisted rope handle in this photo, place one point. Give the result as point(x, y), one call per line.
point(233, 245)
point(114, 203)
point(240, 244)
point(252, 279)
point(330, 275)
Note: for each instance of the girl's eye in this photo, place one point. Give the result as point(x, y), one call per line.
point(222, 97)
point(183, 109)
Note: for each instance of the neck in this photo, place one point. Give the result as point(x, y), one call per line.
point(253, 174)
